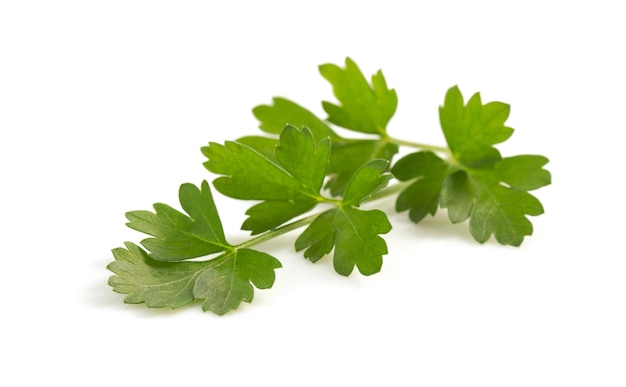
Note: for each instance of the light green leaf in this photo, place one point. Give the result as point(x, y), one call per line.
point(274, 118)
point(471, 130)
point(483, 186)
point(364, 107)
point(524, 172)
point(367, 180)
point(266, 146)
point(288, 186)
point(247, 174)
point(305, 160)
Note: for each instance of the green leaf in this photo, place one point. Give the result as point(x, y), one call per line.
point(352, 232)
point(179, 236)
point(471, 130)
point(305, 160)
point(367, 180)
point(524, 172)
point(222, 283)
point(160, 280)
point(274, 118)
point(226, 284)
point(266, 146)
point(347, 157)
point(364, 107)
point(483, 186)
point(288, 186)
point(158, 284)
point(247, 174)
point(354, 235)
point(502, 211)
point(457, 195)
point(421, 197)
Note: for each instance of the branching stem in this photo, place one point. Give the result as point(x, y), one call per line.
point(271, 234)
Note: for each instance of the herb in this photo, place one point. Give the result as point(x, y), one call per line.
point(302, 162)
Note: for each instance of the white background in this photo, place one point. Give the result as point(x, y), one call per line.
point(104, 106)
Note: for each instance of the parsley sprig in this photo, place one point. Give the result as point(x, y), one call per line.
point(302, 163)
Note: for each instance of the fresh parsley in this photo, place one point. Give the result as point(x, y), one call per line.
point(302, 162)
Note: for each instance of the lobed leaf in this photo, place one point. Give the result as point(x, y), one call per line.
point(502, 211)
point(266, 146)
point(422, 196)
point(353, 233)
point(157, 284)
point(178, 236)
point(288, 185)
point(274, 118)
point(524, 172)
point(457, 195)
point(347, 157)
point(471, 130)
point(228, 283)
point(364, 107)
point(222, 283)
point(366, 181)
point(247, 174)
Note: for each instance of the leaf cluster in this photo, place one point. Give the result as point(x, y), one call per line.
point(302, 163)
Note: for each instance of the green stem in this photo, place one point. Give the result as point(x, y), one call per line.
point(271, 234)
point(385, 192)
point(389, 190)
point(411, 144)
point(277, 232)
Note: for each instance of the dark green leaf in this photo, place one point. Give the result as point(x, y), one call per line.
point(226, 284)
point(178, 236)
point(457, 195)
point(502, 212)
point(354, 235)
point(347, 157)
point(158, 284)
point(357, 241)
point(319, 238)
point(352, 232)
point(223, 282)
point(421, 197)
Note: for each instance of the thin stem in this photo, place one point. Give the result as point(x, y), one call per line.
point(434, 148)
point(390, 190)
point(271, 234)
point(385, 192)
point(277, 232)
